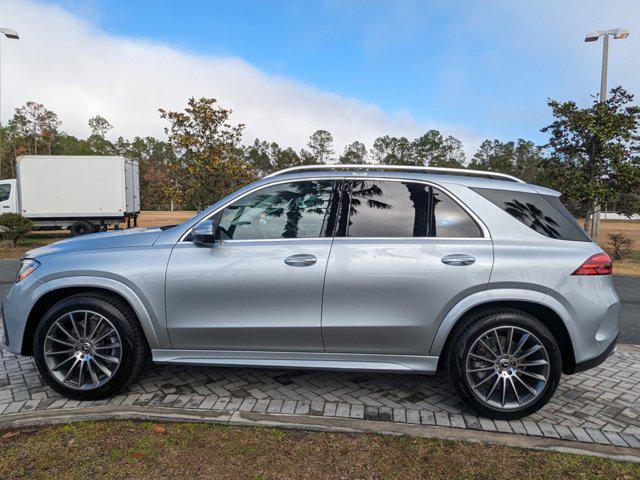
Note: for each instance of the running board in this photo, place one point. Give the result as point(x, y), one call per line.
point(302, 360)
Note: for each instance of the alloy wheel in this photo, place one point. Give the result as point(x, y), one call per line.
point(507, 368)
point(82, 350)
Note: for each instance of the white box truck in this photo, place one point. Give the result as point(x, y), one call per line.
point(81, 193)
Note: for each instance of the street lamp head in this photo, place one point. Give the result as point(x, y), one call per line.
point(617, 33)
point(9, 33)
point(621, 33)
point(592, 37)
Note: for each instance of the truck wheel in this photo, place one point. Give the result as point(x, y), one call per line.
point(82, 227)
point(89, 346)
point(505, 363)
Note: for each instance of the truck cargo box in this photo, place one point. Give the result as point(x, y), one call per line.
point(56, 186)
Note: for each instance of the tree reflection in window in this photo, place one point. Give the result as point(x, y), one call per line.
point(424, 202)
point(403, 209)
point(533, 217)
point(292, 210)
point(363, 191)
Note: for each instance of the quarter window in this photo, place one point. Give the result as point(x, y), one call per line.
point(405, 209)
point(288, 210)
point(544, 214)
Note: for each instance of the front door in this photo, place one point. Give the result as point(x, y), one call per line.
point(404, 253)
point(260, 287)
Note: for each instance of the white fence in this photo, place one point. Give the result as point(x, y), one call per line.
point(617, 216)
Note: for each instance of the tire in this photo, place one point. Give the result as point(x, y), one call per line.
point(82, 227)
point(483, 363)
point(89, 360)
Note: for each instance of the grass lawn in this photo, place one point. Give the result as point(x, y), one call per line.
point(126, 449)
point(629, 266)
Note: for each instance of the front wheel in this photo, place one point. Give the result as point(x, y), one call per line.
point(506, 364)
point(89, 346)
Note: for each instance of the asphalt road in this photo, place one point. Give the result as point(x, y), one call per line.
point(628, 289)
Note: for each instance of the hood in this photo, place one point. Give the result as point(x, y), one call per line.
point(135, 237)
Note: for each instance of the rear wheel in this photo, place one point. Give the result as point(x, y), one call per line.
point(82, 227)
point(89, 347)
point(506, 364)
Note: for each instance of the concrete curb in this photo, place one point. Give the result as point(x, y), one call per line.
point(317, 423)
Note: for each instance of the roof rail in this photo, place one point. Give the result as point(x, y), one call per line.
point(411, 168)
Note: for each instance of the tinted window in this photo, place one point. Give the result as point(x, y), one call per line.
point(450, 219)
point(405, 209)
point(5, 191)
point(543, 213)
point(288, 210)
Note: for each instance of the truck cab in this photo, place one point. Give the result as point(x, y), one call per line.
point(8, 196)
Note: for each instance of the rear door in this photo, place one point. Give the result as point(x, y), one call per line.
point(404, 253)
point(128, 186)
point(136, 186)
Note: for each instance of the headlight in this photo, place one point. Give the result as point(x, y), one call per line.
point(27, 267)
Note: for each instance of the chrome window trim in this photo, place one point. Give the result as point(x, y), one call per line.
point(485, 231)
point(430, 239)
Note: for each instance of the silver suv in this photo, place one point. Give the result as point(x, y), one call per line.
point(332, 267)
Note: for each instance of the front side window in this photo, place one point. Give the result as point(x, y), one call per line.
point(405, 209)
point(287, 210)
point(5, 192)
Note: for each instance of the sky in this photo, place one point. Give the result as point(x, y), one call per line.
point(358, 68)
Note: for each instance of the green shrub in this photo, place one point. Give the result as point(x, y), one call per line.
point(621, 244)
point(14, 226)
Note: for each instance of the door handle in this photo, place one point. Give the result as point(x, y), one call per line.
point(459, 259)
point(301, 260)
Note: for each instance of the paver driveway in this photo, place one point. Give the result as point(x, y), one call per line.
point(598, 406)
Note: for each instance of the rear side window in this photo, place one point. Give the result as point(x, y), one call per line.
point(543, 213)
point(405, 209)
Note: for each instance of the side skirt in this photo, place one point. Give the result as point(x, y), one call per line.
point(302, 360)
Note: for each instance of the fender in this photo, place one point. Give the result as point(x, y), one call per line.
point(497, 295)
point(150, 324)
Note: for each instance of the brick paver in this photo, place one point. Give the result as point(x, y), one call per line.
point(598, 406)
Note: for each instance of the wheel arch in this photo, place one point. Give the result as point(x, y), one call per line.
point(65, 288)
point(549, 316)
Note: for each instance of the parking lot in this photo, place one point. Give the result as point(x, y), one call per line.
point(599, 406)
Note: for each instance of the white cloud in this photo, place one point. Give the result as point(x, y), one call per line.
point(77, 70)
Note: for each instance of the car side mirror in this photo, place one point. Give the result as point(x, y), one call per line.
point(205, 233)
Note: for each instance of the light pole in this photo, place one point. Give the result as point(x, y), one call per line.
point(12, 34)
point(616, 33)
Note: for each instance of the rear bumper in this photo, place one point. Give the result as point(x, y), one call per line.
point(594, 362)
point(590, 308)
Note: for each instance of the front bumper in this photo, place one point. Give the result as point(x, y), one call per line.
point(15, 311)
point(594, 362)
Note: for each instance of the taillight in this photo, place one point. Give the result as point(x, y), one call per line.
point(598, 264)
